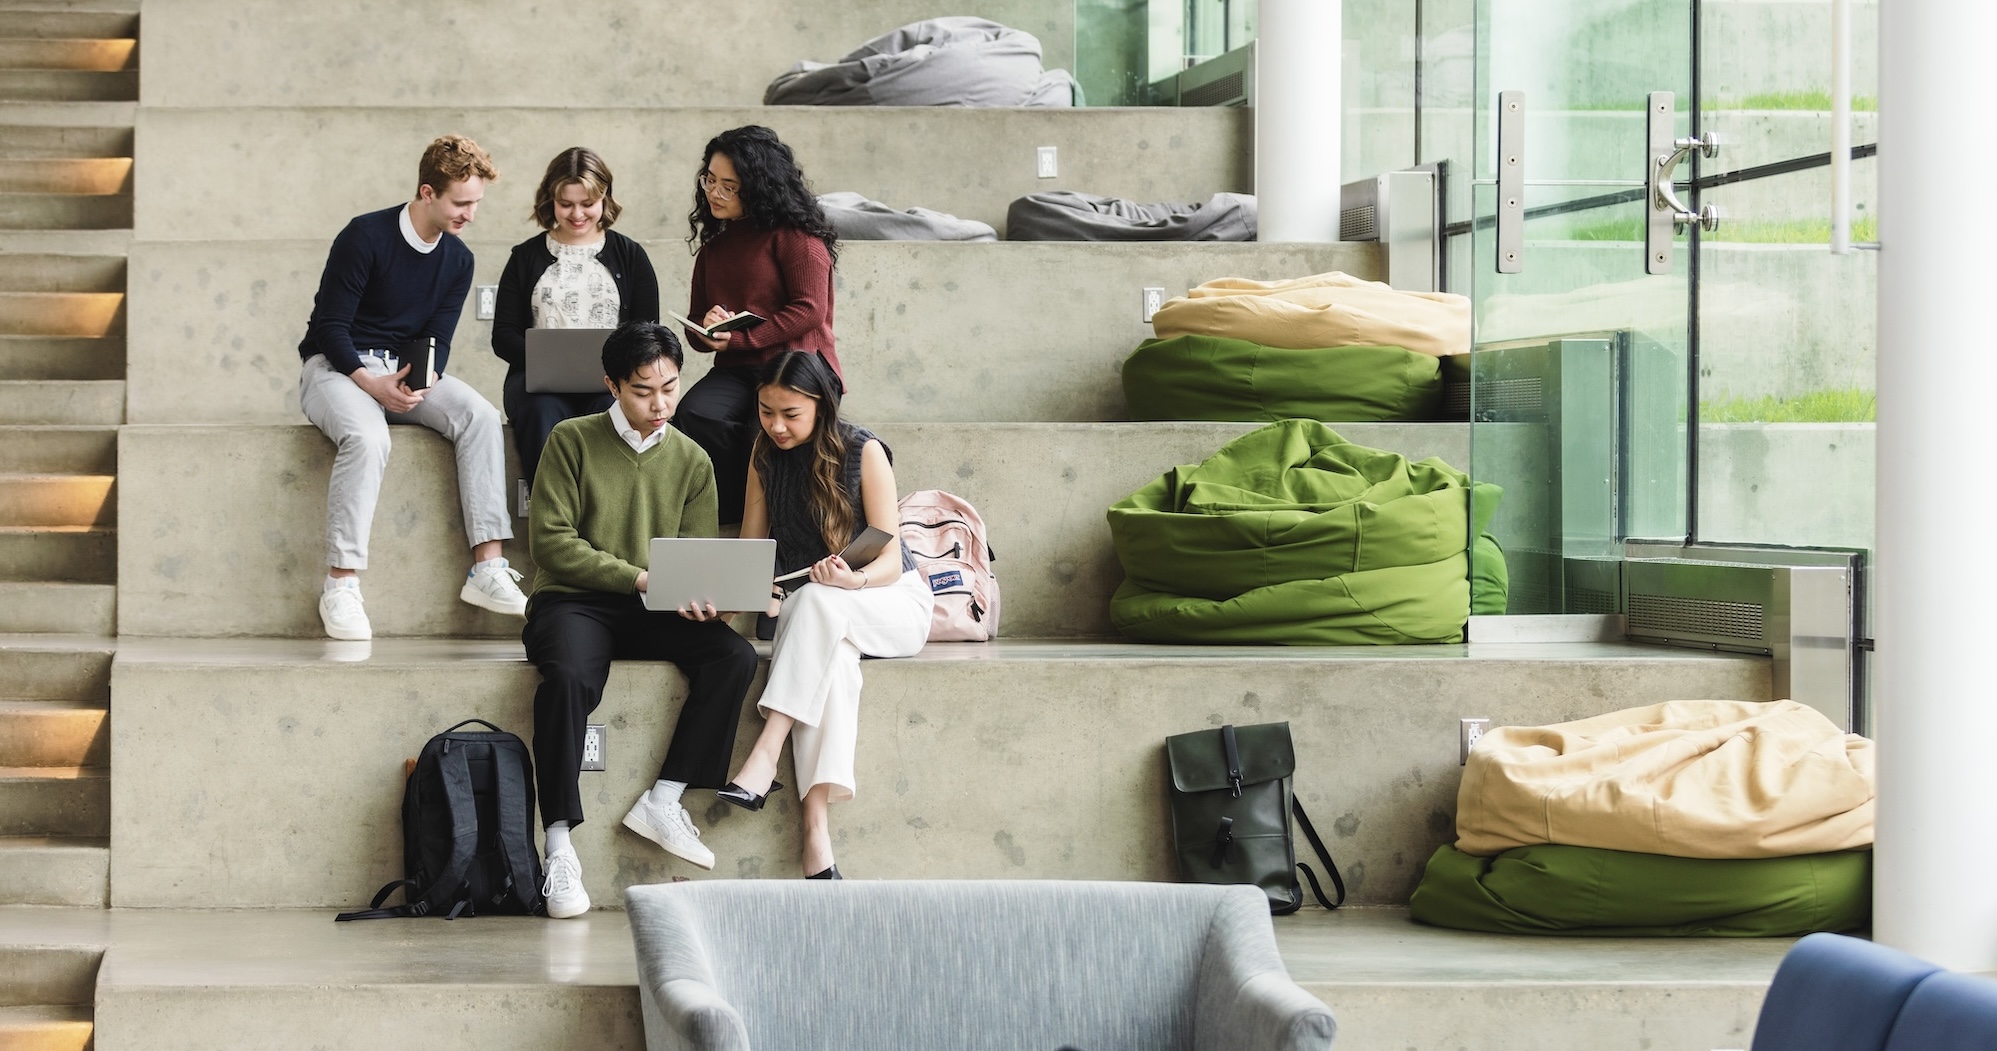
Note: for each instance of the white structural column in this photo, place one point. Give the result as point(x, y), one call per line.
point(1298, 69)
point(1937, 579)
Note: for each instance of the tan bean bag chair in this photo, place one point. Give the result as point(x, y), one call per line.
point(1328, 310)
point(1691, 779)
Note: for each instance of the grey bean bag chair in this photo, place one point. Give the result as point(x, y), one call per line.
point(1065, 215)
point(957, 61)
point(858, 219)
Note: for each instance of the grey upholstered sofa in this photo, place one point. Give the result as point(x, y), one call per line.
point(974, 965)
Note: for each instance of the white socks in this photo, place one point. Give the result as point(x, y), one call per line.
point(557, 839)
point(342, 582)
point(476, 566)
point(664, 792)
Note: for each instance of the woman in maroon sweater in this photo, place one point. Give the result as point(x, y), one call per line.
point(764, 247)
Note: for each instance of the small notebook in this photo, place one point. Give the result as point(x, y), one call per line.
point(734, 323)
point(864, 549)
point(420, 354)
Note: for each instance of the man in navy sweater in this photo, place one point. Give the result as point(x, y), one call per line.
point(396, 276)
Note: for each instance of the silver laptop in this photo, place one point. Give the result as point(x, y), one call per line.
point(732, 574)
point(565, 360)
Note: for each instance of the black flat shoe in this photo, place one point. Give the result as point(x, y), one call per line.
point(744, 798)
point(831, 872)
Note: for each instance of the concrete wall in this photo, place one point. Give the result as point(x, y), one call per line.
point(308, 170)
point(225, 525)
point(974, 761)
point(592, 53)
point(1787, 483)
point(986, 332)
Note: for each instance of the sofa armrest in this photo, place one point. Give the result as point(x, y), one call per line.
point(1270, 1013)
point(689, 1015)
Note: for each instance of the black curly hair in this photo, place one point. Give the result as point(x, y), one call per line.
point(774, 194)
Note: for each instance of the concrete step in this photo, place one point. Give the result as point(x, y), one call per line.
point(967, 162)
point(227, 53)
point(55, 801)
point(56, 667)
point(67, 85)
point(48, 211)
point(74, 242)
point(43, 19)
point(79, 553)
point(45, 1028)
point(58, 608)
point(23, 51)
point(20, 143)
point(57, 500)
point(970, 760)
point(62, 358)
point(250, 564)
point(255, 979)
point(88, 176)
point(54, 733)
point(1020, 332)
point(37, 970)
point(58, 450)
point(62, 403)
point(87, 314)
point(45, 870)
point(60, 272)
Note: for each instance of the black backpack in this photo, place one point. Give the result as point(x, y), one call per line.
point(467, 830)
point(1231, 810)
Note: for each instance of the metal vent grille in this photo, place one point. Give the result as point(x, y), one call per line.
point(1525, 394)
point(1591, 601)
point(1359, 224)
point(1668, 614)
point(1219, 92)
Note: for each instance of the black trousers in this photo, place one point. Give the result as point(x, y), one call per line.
point(572, 638)
point(533, 416)
point(719, 414)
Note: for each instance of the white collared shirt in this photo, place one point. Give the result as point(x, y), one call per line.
point(409, 233)
point(630, 433)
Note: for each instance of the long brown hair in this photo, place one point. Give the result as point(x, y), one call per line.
point(807, 374)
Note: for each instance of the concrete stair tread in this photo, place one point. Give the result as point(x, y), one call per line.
point(1392, 983)
point(86, 554)
point(115, 114)
point(54, 773)
point(45, 1028)
point(55, 871)
point(58, 449)
point(58, 606)
point(60, 271)
point(65, 402)
point(74, 242)
point(66, 53)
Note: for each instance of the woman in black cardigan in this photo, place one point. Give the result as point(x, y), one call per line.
point(579, 274)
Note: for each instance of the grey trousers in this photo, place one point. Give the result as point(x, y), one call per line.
point(358, 428)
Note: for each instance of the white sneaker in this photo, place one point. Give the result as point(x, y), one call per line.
point(495, 587)
point(340, 611)
point(671, 827)
point(563, 890)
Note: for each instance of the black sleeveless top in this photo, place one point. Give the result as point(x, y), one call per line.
point(794, 526)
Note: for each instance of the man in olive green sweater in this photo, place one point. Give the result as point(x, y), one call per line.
point(608, 483)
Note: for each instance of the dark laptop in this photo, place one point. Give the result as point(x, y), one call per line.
point(565, 360)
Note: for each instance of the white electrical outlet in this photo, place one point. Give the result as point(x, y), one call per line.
point(1153, 299)
point(488, 302)
point(593, 738)
point(1469, 732)
point(1050, 163)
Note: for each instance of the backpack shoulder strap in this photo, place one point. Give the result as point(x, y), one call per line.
point(516, 821)
point(374, 911)
point(1323, 855)
point(454, 770)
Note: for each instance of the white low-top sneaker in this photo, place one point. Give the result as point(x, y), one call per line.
point(340, 610)
point(495, 587)
point(671, 827)
point(563, 889)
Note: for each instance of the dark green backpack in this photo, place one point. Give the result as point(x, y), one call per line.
point(1231, 807)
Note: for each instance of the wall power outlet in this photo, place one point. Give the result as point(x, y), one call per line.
point(1469, 732)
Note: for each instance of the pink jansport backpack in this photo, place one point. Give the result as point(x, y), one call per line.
point(947, 538)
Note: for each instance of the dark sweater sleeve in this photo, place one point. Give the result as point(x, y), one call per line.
point(445, 321)
point(512, 313)
point(641, 287)
point(348, 266)
point(806, 271)
point(699, 301)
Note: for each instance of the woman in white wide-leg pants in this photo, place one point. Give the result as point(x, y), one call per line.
point(820, 487)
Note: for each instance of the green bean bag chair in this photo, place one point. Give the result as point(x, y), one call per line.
point(1210, 378)
point(1291, 534)
point(1552, 889)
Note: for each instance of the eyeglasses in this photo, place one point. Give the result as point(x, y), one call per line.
point(724, 190)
